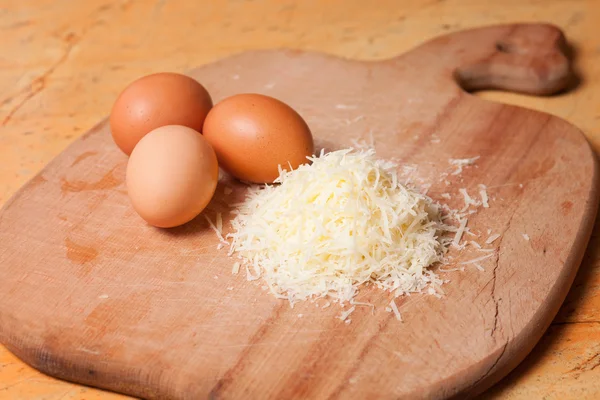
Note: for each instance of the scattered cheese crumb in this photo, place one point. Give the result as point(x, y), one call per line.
point(475, 244)
point(357, 303)
point(468, 230)
point(459, 163)
point(103, 296)
point(521, 185)
point(484, 196)
point(249, 275)
point(526, 236)
point(354, 120)
point(346, 314)
point(362, 144)
point(408, 169)
point(469, 201)
point(230, 288)
point(236, 268)
point(395, 310)
point(300, 315)
point(425, 189)
point(476, 260)
point(446, 196)
point(492, 238)
point(345, 107)
point(215, 228)
point(460, 231)
point(451, 269)
point(219, 224)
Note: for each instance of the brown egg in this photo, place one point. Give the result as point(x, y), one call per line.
point(253, 134)
point(157, 100)
point(171, 176)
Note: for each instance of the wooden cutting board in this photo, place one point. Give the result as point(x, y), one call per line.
point(91, 294)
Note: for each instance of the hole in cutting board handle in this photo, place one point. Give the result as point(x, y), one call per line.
point(537, 61)
point(502, 47)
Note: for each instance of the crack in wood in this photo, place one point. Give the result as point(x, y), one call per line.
point(497, 308)
point(496, 301)
point(588, 365)
point(39, 83)
point(494, 272)
point(489, 370)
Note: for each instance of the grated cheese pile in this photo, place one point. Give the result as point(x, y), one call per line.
point(330, 226)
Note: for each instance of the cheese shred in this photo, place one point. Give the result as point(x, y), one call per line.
point(346, 314)
point(332, 225)
point(217, 228)
point(394, 308)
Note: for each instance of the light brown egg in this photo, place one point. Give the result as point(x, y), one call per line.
point(157, 100)
point(171, 176)
point(253, 134)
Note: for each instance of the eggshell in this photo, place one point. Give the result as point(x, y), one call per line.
point(157, 100)
point(171, 176)
point(253, 134)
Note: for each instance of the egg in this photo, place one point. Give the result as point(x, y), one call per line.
point(171, 175)
point(253, 134)
point(156, 100)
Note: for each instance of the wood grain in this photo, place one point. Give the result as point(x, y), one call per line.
point(109, 301)
point(44, 70)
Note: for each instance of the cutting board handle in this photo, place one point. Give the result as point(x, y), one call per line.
point(525, 58)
